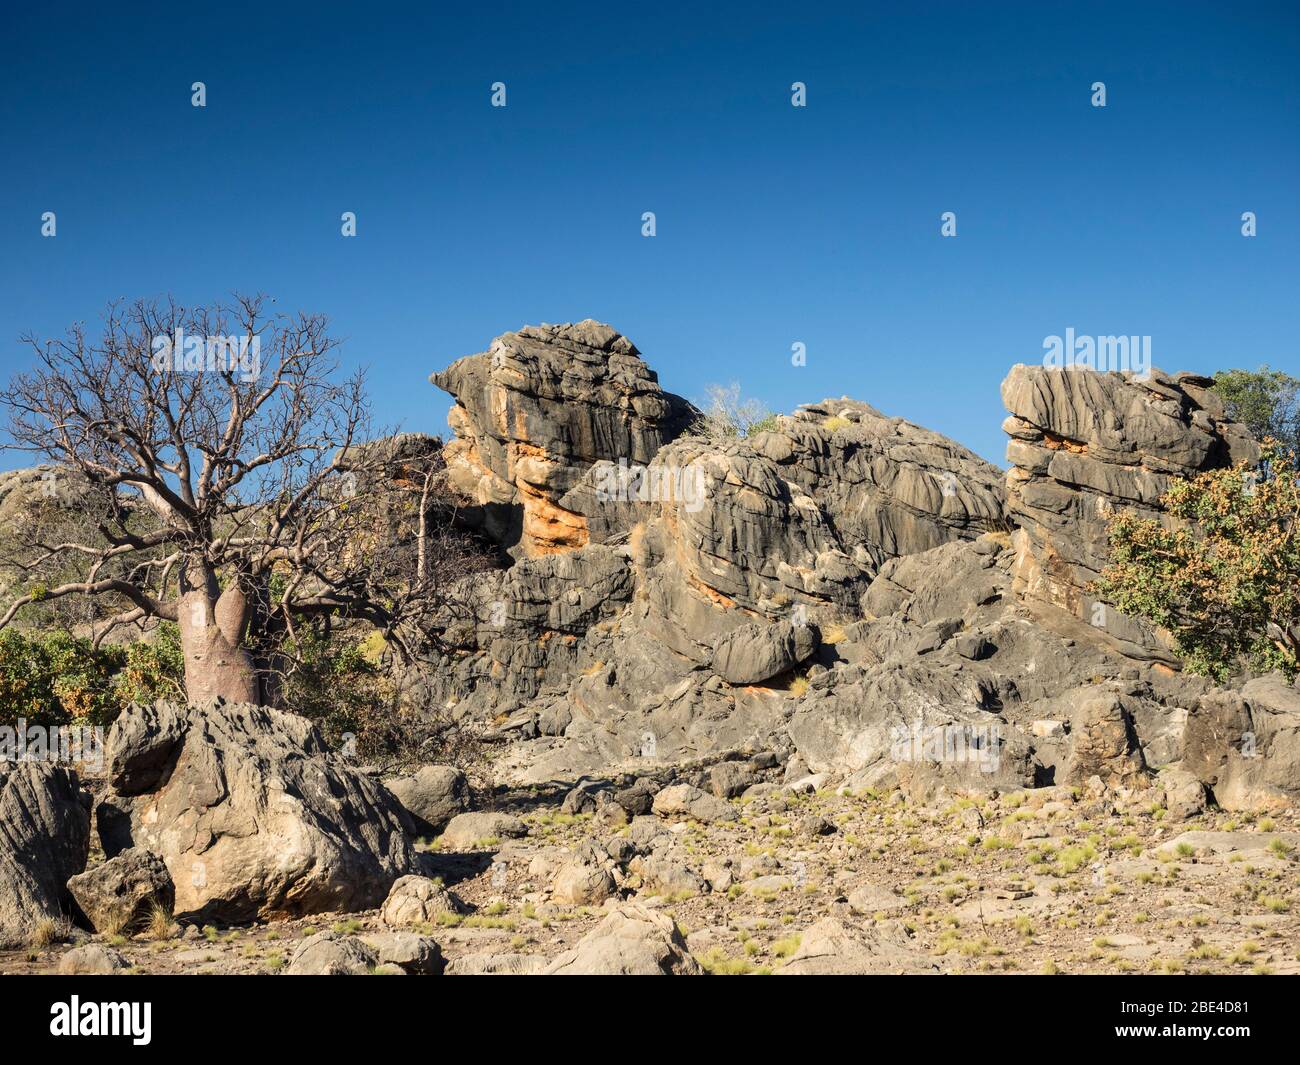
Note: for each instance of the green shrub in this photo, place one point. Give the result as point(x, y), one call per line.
point(1225, 581)
point(154, 670)
point(54, 678)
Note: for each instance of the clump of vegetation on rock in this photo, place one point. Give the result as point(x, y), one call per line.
point(729, 416)
point(1225, 578)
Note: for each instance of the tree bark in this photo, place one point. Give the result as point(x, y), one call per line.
point(212, 628)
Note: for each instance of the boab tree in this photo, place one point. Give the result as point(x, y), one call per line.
point(228, 482)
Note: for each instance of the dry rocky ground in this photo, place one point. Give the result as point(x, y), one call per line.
point(1043, 881)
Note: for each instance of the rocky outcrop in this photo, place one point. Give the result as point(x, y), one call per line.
point(1085, 446)
point(44, 840)
point(951, 683)
point(535, 412)
point(800, 519)
point(849, 587)
point(888, 487)
point(252, 815)
point(689, 578)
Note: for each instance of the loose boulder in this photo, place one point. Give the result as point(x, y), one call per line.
point(330, 954)
point(685, 800)
point(432, 795)
point(831, 948)
point(92, 959)
point(413, 954)
point(755, 653)
point(251, 813)
point(118, 895)
point(416, 900)
point(632, 941)
point(481, 830)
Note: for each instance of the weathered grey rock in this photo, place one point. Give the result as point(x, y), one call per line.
point(432, 795)
point(814, 825)
point(755, 653)
point(916, 722)
point(631, 941)
point(1246, 747)
point(118, 895)
point(417, 900)
point(685, 800)
point(252, 815)
point(831, 948)
point(414, 954)
point(92, 959)
point(973, 645)
point(582, 882)
point(476, 831)
point(44, 841)
point(661, 621)
point(483, 964)
point(331, 954)
point(1102, 741)
point(1184, 794)
point(1225, 845)
point(579, 800)
point(638, 798)
point(1085, 446)
point(870, 899)
point(719, 874)
point(664, 876)
point(729, 779)
point(535, 412)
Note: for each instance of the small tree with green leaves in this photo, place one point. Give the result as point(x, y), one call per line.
point(1263, 400)
point(1225, 579)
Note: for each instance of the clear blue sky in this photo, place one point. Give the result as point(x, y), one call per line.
point(775, 224)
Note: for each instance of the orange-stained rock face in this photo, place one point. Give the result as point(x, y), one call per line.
point(548, 527)
point(535, 413)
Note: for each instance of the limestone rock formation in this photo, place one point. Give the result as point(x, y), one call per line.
point(1085, 445)
point(250, 812)
point(671, 582)
point(535, 411)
